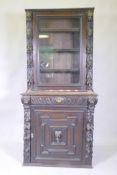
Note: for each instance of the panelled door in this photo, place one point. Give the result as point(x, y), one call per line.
point(57, 136)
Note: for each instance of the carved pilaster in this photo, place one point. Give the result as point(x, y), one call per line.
point(29, 35)
point(26, 102)
point(92, 100)
point(26, 134)
point(89, 52)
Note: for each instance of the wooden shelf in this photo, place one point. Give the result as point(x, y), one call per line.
point(59, 30)
point(59, 70)
point(44, 50)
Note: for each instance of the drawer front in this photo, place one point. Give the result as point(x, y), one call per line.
point(59, 100)
point(57, 136)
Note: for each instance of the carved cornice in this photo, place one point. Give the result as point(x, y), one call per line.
point(89, 51)
point(29, 35)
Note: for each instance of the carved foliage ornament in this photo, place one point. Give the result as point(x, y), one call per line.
point(29, 49)
point(92, 100)
point(89, 51)
point(26, 134)
point(89, 135)
point(25, 99)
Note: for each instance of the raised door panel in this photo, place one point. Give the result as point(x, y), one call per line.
point(57, 136)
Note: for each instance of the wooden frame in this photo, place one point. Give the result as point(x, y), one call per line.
point(66, 99)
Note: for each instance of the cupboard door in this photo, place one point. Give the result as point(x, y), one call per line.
point(57, 136)
point(59, 47)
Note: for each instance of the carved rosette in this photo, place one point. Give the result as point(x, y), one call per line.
point(25, 99)
point(29, 36)
point(92, 100)
point(89, 52)
point(26, 134)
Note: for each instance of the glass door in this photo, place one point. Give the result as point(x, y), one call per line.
point(59, 40)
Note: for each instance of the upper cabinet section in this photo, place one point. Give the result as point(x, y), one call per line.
point(59, 49)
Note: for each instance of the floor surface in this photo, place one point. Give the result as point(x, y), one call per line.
point(104, 162)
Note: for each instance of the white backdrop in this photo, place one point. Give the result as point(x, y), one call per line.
point(13, 71)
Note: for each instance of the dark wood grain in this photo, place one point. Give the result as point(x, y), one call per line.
point(59, 102)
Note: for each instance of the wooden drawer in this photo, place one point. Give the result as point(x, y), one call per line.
point(59, 100)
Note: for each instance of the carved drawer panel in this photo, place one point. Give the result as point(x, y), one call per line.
point(57, 135)
point(59, 100)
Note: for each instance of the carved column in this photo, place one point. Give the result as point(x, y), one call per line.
point(27, 134)
point(92, 100)
point(29, 35)
point(89, 52)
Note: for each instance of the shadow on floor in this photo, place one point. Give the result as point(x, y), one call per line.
point(103, 153)
point(13, 149)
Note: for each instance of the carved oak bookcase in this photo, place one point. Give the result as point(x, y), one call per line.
point(59, 102)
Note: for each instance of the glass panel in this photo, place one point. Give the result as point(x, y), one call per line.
point(60, 40)
point(59, 78)
point(59, 61)
point(59, 23)
point(59, 51)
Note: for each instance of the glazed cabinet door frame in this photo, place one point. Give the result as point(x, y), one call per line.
point(36, 60)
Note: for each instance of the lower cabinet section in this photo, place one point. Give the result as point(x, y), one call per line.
point(58, 131)
point(57, 136)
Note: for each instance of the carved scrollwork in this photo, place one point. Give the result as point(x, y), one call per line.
point(88, 150)
point(92, 100)
point(57, 100)
point(28, 30)
point(90, 127)
point(89, 135)
point(29, 34)
point(29, 77)
point(89, 51)
point(29, 60)
point(89, 61)
point(26, 135)
point(25, 99)
point(28, 15)
point(90, 15)
point(89, 79)
point(89, 116)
